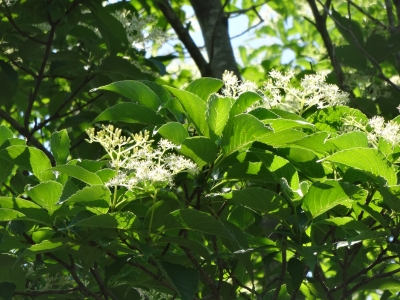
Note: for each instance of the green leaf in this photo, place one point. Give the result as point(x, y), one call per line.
point(217, 114)
point(314, 142)
point(323, 196)
point(31, 159)
point(197, 221)
point(194, 107)
point(59, 145)
point(280, 168)
point(184, 279)
point(7, 214)
point(295, 268)
point(282, 138)
point(344, 25)
point(200, 149)
point(30, 210)
point(130, 113)
point(12, 272)
point(46, 194)
point(159, 211)
point(349, 140)
point(351, 56)
point(5, 134)
point(7, 290)
point(195, 246)
point(79, 173)
point(345, 222)
point(50, 245)
point(204, 87)
point(262, 200)
point(245, 101)
point(241, 131)
point(367, 160)
point(96, 198)
point(119, 220)
point(390, 284)
point(135, 91)
point(391, 196)
point(174, 132)
point(331, 118)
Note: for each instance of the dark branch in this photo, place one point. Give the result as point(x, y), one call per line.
point(29, 293)
point(184, 36)
point(39, 78)
point(21, 130)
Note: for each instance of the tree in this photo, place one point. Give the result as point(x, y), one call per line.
point(117, 185)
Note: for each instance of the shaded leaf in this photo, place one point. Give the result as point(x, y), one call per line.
point(197, 221)
point(200, 149)
point(119, 220)
point(194, 107)
point(262, 200)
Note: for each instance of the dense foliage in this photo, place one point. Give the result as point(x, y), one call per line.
point(117, 183)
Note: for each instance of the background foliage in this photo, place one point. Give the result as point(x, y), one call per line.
point(284, 206)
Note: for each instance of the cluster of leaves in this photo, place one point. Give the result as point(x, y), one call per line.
point(358, 41)
point(52, 53)
point(282, 205)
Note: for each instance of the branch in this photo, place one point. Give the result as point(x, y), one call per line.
point(281, 277)
point(368, 280)
point(376, 21)
point(21, 130)
point(215, 30)
point(11, 20)
point(106, 292)
point(206, 278)
point(57, 115)
point(184, 36)
point(397, 5)
point(320, 24)
point(71, 269)
point(39, 78)
point(29, 293)
point(370, 58)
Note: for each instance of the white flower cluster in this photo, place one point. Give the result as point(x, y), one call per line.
point(314, 91)
point(137, 29)
point(138, 165)
point(375, 129)
point(233, 87)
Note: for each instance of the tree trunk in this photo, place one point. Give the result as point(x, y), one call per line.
point(214, 26)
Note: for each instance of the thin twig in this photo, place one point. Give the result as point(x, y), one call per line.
point(39, 77)
point(21, 130)
point(100, 282)
point(12, 22)
point(366, 54)
point(361, 10)
point(206, 278)
point(281, 277)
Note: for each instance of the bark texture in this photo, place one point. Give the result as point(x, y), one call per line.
point(214, 26)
